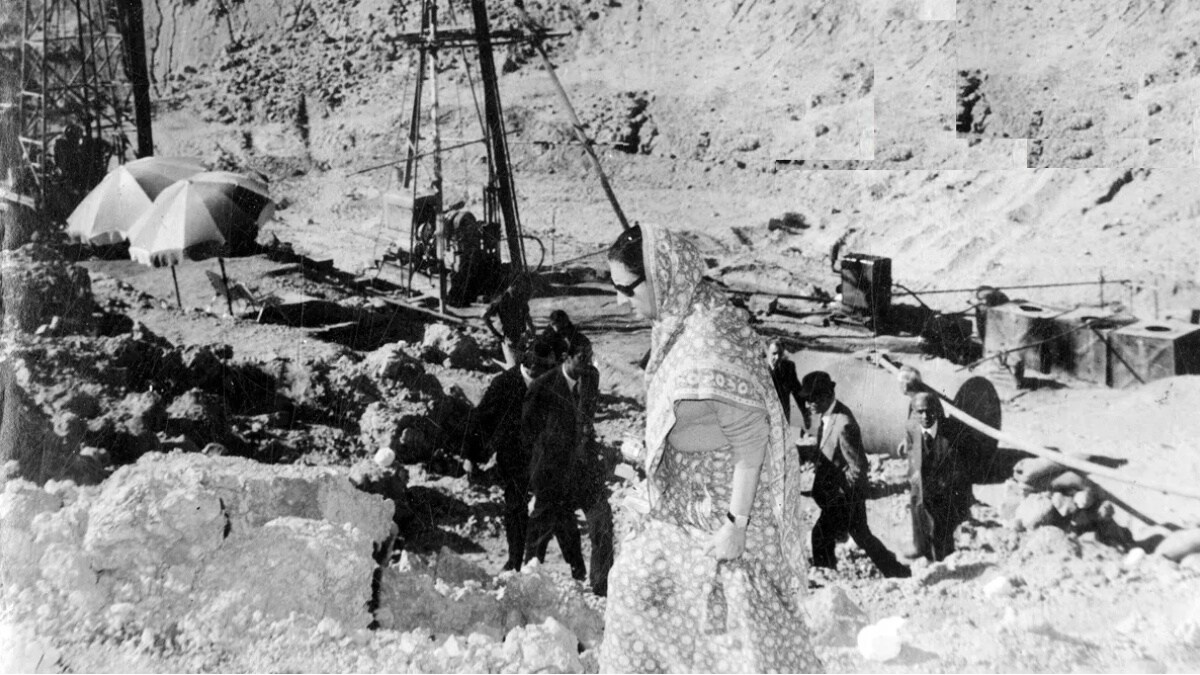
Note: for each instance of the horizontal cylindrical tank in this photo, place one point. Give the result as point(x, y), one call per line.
point(881, 407)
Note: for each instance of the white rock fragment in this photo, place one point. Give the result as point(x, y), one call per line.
point(881, 640)
point(1133, 558)
point(835, 619)
point(549, 648)
point(1129, 624)
point(1188, 631)
point(1000, 587)
point(385, 456)
point(331, 627)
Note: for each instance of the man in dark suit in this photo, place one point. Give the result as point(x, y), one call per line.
point(787, 385)
point(554, 432)
point(940, 486)
point(596, 468)
point(840, 484)
point(495, 429)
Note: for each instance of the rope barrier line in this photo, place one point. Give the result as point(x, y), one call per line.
point(1075, 463)
point(939, 291)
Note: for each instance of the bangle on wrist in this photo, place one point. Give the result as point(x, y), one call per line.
point(739, 521)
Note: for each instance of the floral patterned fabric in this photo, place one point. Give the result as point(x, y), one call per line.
point(671, 607)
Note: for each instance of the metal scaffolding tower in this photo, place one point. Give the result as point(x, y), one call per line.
point(79, 88)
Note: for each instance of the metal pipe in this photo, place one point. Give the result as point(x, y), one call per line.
point(440, 237)
point(1053, 455)
point(870, 393)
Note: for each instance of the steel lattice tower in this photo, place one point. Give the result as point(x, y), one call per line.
point(78, 89)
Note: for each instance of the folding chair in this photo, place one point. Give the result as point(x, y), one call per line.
point(236, 290)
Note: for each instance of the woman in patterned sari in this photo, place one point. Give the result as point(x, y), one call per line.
point(710, 579)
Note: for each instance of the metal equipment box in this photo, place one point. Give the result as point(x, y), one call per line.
point(867, 285)
point(1027, 331)
point(1152, 350)
point(1084, 351)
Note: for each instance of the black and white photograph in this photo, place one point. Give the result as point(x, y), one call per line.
point(599, 336)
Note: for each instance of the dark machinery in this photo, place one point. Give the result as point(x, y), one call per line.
point(463, 250)
point(866, 287)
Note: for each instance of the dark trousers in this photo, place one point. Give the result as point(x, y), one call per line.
point(933, 528)
point(516, 518)
point(555, 517)
point(849, 517)
point(600, 532)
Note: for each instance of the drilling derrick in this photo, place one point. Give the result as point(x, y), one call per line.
point(84, 92)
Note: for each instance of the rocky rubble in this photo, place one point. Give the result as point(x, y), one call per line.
point(79, 405)
point(40, 290)
point(443, 593)
point(186, 551)
point(185, 561)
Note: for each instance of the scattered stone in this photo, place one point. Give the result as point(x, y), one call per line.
point(1188, 630)
point(452, 346)
point(1133, 558)
point(881, 641)
point(384, 457)
point(548, 647)
point(835, 619)
point(1037, 511)
point(1051, 542)
point(1037, 473)
point(1000, 587)
point(1178, 545)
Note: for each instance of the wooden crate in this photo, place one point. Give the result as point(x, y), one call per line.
point(1084, 353)
point(1024, 324)
point(1152, 350)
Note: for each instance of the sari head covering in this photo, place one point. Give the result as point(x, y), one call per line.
point(702, 347)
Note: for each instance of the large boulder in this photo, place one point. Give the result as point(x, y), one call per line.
point(38, 285)
point(407, 430)
point(393, 368)
point(199, 416)
point(446, 345)
point(204, 549)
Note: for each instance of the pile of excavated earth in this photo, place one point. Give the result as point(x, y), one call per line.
point(178, 508)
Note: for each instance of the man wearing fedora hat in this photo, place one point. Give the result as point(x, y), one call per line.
point(495, 428)
point(840, 484)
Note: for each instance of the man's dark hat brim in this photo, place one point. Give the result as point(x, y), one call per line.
point(815, 382)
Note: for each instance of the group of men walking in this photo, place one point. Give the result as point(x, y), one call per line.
point(537, 418)
point(939, 480)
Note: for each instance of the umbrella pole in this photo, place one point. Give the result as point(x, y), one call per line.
point(225, 279)
point(178, 300)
